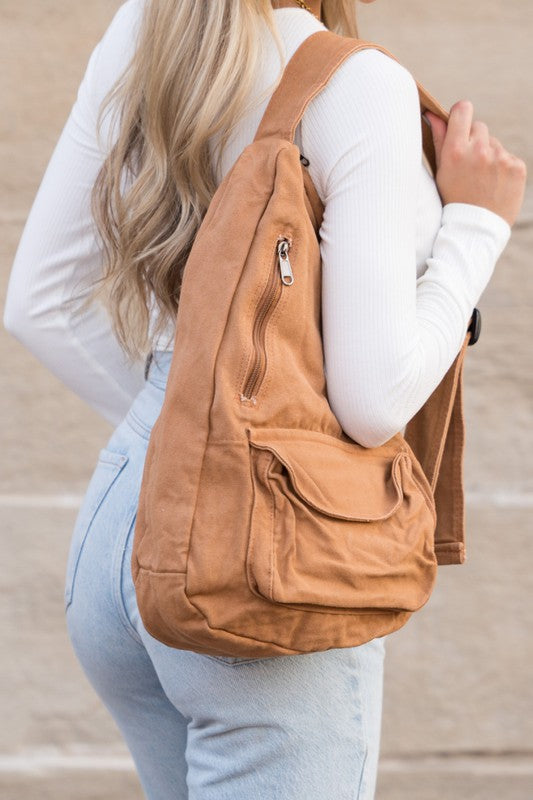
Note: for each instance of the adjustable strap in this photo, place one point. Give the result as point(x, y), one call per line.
point(436, 433)
point(308, 71)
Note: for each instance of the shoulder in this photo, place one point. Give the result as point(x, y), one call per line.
point(126, 16)
point(368, 110)
point(368, 76)
point(116, 46)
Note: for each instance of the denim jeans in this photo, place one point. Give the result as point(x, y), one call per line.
point(296, 727)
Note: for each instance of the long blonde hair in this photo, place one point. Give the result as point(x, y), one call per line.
point(189, 78)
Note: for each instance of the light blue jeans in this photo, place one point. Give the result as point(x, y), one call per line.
point(297, 727)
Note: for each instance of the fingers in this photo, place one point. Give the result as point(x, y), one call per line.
point(474, 167)
point(438, 131)
point(479, 133)
point(517, 165)
point(463, 130)
point(503, 156)
point(460, 122)
point(462, 134)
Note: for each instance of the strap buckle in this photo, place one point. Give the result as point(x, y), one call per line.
point(474, 326)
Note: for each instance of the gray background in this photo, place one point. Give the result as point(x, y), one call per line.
point(458, 698)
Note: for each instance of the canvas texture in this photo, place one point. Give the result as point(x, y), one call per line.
point(262, 528)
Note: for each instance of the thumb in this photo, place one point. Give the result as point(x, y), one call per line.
point(438, 130)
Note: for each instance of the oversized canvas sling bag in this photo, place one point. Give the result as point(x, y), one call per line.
point(262, 528)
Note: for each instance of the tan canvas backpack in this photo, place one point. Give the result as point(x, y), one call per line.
point(262, 528)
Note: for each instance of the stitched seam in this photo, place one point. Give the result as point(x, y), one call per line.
point(190, 533)
point(119, 466)
point(363, 765)
point(118, 566)
point(429, 501)
point(271, 526)
point(251, 309)
point(243, 663)
point(320, 83)
point(338, 444)
point(232, 633)
point(136, 425)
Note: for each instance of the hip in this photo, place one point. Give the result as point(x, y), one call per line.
point(109, 506)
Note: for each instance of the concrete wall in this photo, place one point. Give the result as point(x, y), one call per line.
point(458, 698)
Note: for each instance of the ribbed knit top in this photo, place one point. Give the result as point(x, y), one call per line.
point(401, 273)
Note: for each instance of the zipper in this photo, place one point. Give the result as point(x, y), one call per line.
point(280, 276)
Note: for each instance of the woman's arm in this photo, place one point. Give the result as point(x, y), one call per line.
point(58, 256)
point(389, 338)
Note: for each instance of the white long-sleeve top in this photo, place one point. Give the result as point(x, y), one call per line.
point(401, 274)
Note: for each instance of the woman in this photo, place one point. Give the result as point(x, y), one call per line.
point(201, 74)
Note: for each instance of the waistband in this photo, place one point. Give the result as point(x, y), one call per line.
point(157, 366)
point(146, 407)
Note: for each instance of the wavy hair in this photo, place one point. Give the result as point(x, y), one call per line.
point(189, 78)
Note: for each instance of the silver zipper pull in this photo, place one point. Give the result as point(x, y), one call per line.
point(284, 264)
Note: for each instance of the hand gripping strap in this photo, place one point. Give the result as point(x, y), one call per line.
point(436, 433)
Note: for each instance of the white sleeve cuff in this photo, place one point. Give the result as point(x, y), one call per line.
point(479, 219)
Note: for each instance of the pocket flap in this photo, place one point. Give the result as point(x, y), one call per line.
point(336, 477)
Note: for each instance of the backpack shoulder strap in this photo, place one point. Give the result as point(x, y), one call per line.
point(436, 432)
point(308, 71)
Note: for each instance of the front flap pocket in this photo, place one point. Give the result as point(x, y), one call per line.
point(336, 525)
point(337, 478)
